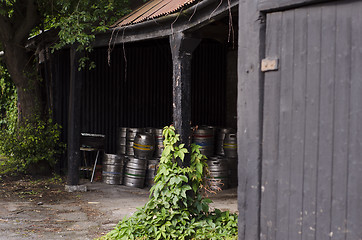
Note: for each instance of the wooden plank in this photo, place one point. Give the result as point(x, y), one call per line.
point(271, 130)
point(354, 189)
point(250, 51)
point(286, 77)
point(298, 124)
point(341, 116)
point(326, 107)
point(273, 5)
point(312, 124)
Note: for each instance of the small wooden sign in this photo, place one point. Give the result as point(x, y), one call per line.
point(269, 64)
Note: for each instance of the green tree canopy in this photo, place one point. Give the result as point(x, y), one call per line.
point(73, 21)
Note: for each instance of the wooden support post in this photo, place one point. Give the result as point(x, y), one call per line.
point(250, 117)
point(74, 154)
point(181, 49)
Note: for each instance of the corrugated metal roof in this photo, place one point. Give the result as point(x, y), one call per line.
point(152, 9)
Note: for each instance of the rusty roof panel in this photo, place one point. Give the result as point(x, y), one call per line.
point(137, 14)
point(152, 9)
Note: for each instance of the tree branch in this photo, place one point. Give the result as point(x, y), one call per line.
point(5, 29)
point(26, 20)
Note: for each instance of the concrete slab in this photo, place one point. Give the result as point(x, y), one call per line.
point(75, 188)
point(89, 215)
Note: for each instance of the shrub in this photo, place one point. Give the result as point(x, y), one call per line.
point(8, 100)
point(32, 143)
point(176, 208)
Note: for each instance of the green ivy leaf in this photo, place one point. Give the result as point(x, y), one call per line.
point(171, 213)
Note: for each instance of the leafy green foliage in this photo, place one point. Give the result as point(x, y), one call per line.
point(79, 21)
point(72, 21)
point(8, 100)
point(176, 208)
point(30, 143)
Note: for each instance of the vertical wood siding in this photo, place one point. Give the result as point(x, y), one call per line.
point(312, 133)
point(60, 74)
point(208, 87)
point(135, 89)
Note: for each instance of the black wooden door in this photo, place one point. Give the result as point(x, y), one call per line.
point(311, 184)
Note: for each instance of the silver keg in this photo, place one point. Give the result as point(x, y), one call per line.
point(144, 145)
point(219, 139)
point(152, 167)
point(131, 134)
point(204, 137)
point(121, 140)
point(112, 169)
point(218, 178)
point(231, 145)
point(135, 172)
point(158, 142)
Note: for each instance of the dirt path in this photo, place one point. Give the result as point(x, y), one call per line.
point(41, 209)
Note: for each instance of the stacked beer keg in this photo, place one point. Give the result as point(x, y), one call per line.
point(143, 148)
point(139, 151)
point(218, 178)
point(137, 159)
point(131, 135)
point(121, 141)
point(158, 142)
point(204, 137)
point(112, 169)
point(219, 145)
point(230, 153)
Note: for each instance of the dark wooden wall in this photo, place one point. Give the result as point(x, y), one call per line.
point(299, 128)
point(135, 89)
point(132, 90)
point(311, 184)
point(208, 84)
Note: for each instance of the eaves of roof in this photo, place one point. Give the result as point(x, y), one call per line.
point(186, 19)
point(153, 9)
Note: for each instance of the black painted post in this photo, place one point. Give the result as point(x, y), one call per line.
point(181, 49)
point(75, 88)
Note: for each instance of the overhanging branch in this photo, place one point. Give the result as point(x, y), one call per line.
point(27, 22)
point(5, 29)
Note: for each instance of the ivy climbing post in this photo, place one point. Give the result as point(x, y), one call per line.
point(182, 48)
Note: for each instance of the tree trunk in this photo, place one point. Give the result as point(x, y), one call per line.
point(14, 33)
point(23, 73)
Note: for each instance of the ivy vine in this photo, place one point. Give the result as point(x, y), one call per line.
point(176, 208)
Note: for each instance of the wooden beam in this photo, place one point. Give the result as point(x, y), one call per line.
point(250, 117)
point(74, 154)
point(280, 5)
point(181, 49)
